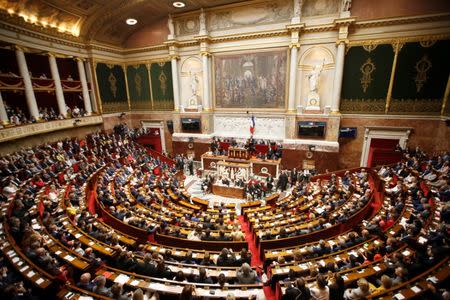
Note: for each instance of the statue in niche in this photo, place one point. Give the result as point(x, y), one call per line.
point(313, 78)
point(193, 99)
point(194, 84)
point(171, 27)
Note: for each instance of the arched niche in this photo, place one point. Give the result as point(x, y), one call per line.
point(310, 57)
point(190, 67)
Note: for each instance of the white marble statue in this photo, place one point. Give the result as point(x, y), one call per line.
point(313, 78)
point(171, 26)
point(194, 84)
point(313, 94)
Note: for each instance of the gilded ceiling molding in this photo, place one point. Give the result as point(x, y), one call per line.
point(42, 36)
point(402, 40)
point(402, 20)
point(19, 21)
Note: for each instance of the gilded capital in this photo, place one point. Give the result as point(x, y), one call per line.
point(205, 53)
point(294, 45)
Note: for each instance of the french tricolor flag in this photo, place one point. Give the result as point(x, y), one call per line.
point(252, 126)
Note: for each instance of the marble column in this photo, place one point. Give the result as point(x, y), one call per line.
point(292, 78)
point(29, 93)
point(90, 79)
point(3, 115)
point(338, 76)
point(58, 87)
point(176, 88)
point(84, 87)
point(206, 93)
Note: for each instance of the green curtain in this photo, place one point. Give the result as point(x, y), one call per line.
point(162, 90)
point(367, 70)
point(421, 78)
point(139, 86)
point(112, 87)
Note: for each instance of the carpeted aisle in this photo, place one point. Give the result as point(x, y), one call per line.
point(256, 259)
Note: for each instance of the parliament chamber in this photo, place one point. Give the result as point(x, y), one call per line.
point(226, 149)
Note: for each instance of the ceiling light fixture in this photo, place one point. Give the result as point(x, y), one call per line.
point(178, 4)
point(131, 21)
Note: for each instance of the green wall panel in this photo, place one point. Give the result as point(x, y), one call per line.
point(162, 90)
point(367, 70)
point(139, 86)
point(421, 77)
point(112, 87)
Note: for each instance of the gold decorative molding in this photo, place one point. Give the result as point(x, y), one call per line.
point(402, 20)
point(446, 95)
point(402, 40)
point(295, 27)
point(294, 45)
point(205, 53)
point(397, 47)
point(344, 21)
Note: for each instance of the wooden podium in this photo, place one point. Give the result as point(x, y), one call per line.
point(240, 153)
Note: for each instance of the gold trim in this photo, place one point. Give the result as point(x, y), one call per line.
point(126, 85)
point(148, 66)
point(294, 45)
point(403, 40)
point(205, 53)
point(445, 99)
point(397, 47)
point(68, 40)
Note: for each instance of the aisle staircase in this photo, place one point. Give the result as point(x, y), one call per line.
point(253, 249)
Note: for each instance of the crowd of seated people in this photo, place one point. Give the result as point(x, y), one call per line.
point(422, 232)
point(17, 117)
point(328, 204)
point(126, 172)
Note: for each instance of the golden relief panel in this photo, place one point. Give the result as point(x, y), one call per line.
point(43, 14)
point(367, 68)
point(417, 106)
point(363, 105)
point(422, 67)
point(264, 13)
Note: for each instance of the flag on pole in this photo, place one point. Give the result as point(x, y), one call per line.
point(252, 126)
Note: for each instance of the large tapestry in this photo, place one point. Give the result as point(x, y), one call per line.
point(251, 80)
point(367, 70)
point(162, 89)
point(139, 86)
point(112, 87)
point(421, 77)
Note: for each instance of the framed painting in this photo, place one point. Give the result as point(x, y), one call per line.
point(251, 80)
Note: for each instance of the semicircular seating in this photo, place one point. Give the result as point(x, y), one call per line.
point(103, 216)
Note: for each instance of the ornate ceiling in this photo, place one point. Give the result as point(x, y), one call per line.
point(96, 20)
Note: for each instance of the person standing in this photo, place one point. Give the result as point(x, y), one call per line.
point(191, 166)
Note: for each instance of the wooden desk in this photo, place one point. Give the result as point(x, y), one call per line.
point(225, 191)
